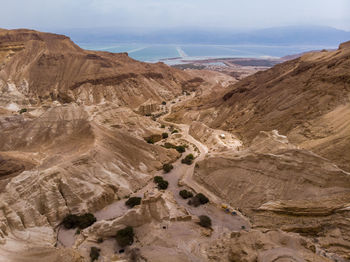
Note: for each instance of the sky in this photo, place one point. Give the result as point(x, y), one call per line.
point(162, 14)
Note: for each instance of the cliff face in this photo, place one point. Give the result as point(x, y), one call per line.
point(38, 67)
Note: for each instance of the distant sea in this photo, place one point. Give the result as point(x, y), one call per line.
point(176, 54)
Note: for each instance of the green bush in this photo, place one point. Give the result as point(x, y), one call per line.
point(188, 159)
point(100, 240)
point(180, 149)
point(167, 168)
point(23, 110)
point(86, 220)
point(94, 253)
point(165, 135)
point(185, 194)
point(162, 185)
point(153, 138)
point(175, 131)
point(82, 221)
point(198, 200)
point(157, 179)
point(204, 221)
point(163, 103)
point(150, 140)
point(190, 156)
point(162, 126)
point(125, 236)
point(202, 198)
point(133, 201)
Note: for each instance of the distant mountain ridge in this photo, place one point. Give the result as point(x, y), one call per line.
point(291, 35)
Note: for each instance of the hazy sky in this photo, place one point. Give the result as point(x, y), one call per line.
point(57, 14)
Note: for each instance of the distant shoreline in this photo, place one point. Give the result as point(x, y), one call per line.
point(173, 54)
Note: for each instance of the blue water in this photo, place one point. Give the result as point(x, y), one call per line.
point(155, 53)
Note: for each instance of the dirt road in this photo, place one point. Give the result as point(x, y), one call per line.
point(181, 174)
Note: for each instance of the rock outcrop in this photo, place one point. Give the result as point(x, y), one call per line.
point(266, 247)
point(279, 186)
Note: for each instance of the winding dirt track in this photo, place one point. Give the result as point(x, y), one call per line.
point(181, 174)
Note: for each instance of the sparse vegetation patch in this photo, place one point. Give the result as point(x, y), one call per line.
point(204, 221)
point(157, 179)
point(197, 200)
point(133, 201)
point(125, 236)
point(185, 194)
point(23, 110)
point(153, 139)
point(161, 183)
point(167, 168)
point(188, 159)
point(80, 221)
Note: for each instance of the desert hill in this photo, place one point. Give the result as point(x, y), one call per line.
point(38, 67)
point(291, 171)
point(306, 99)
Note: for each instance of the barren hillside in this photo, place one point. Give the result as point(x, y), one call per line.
point(306, 99)
point(41, 67)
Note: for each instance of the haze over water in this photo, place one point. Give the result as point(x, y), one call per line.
point(172, 53)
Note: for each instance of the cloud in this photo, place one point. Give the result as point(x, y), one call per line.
point(173, 13)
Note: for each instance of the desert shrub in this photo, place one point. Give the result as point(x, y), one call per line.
point(23, 110)
point(197, 200)
point(163, 185)
point(167, 168)
point(165, 135)
point(70, 221)
point(157, 179)
point(133, 201)
point(163, 103)
point(100, 240)
point(162, 126)
point(125, 236)
point(94, 253)
point(185, 194)
point(204, 221)
point(86, 220)
point(188, 159)
point(149, 140)
point(180, 149)
point(202, 198)
point(153, 138)
point(82, 221)
point(190, 156)
point(175, 131)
